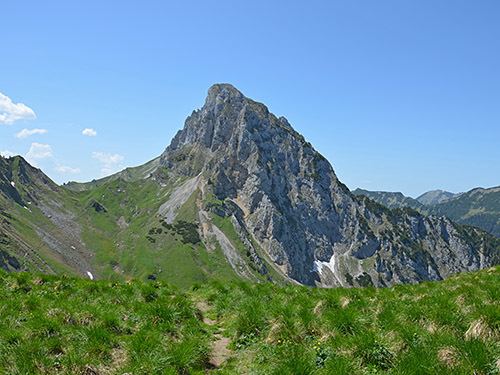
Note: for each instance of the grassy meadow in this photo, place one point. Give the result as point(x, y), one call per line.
point(64, 325)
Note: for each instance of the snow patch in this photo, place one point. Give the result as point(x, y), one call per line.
point(13, 184)
point(89, 274)
point(331, 264)
point(319, 265)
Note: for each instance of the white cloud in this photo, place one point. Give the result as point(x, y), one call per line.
point(89, 132)
point(110, 163)
point(38, 151)
point(11, 112)
point(107, 158)
point(7, 153)
point(67, 170)
point(25, 133)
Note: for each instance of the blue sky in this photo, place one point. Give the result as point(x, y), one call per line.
point(398, 95)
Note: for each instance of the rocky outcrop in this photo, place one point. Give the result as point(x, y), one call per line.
point(298, 212)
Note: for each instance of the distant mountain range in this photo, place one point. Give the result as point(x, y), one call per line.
point(478, 207)
point(390, 199)
point(434, 197)
point(238, 194)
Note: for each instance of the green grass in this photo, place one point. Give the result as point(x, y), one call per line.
point(148, 246)
point(62, 325)
point(65, 325)
point(418, 329)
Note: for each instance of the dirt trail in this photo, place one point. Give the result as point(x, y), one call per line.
point(220, 352)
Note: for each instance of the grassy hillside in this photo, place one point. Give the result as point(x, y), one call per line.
point(128, 174)
point(478, 207)
point(64, 325)
point(27, 199)
point(111, 228)
point(132, 240)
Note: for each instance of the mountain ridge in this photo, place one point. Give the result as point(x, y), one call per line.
point(390, 199)
point(478, 207)
point(238, 192)
point(434, 197)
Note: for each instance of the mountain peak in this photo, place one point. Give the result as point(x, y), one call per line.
point(240, 183)
point(220, 94)
point(433, 197)
point(224, 88)
point(229, 123)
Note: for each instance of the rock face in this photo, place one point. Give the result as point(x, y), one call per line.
point(287, 197)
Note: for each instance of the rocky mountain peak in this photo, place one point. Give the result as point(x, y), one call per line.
point(228, 124)
point(223, 93)
point(224, 97)
point(286, 196)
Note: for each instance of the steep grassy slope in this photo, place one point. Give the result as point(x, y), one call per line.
point(66, 325)
point(132, 240)
point(128, 174)
point(34, 217)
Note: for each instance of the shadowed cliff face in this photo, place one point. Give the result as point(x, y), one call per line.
point(305, 220)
